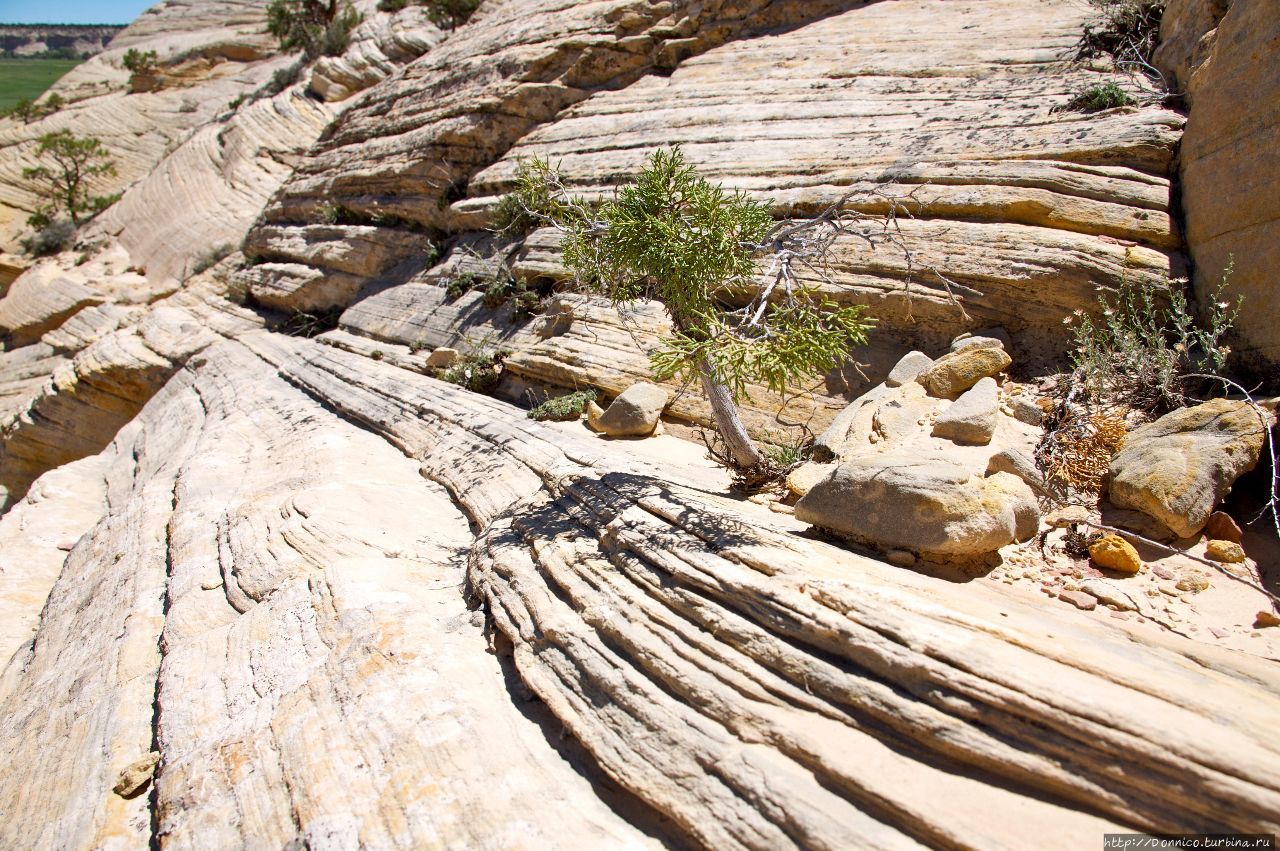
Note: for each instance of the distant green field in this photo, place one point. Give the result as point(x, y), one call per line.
point(28, 78)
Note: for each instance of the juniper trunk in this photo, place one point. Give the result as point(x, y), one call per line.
point(742, 449)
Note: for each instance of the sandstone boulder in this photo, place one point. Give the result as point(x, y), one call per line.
point(1115, 553)
point(971, 418)
point(911, 365)
point(926, 505)
point(1227, 552)
point(1223, 527)
point(1179, 467)
point(443, 358)
point(956, 372)
point(977, 341)
point(635, 413)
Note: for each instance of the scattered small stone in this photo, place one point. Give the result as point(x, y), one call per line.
point(1109, 595)
point(1068, 515)
point(1229, 552)
point(443, 358)
point(1024, 410)
point(1265, 618)
point(1162, 571)
point(1115, 553)
point(1222, 527)
point(1079, 599)
point(210, 584)
point(135, 776)
point(901, 558)
point(1218, 632)
point(1120, 616)
point(1193, 583)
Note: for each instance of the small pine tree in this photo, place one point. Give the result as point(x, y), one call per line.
point(449, 14)
point(139, 62)
point(673, 237)
point(65, 185)
point(315, 27)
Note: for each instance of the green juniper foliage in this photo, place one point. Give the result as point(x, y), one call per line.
point(449, 14)
point(139, 62)
point(75, 164)
point(674, 237)
point(315, 27)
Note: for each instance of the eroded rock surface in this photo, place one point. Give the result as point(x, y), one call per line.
point(345, 604)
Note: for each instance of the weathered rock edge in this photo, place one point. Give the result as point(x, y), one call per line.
point(711, 664)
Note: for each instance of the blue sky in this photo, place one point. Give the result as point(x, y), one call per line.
point(71, 11)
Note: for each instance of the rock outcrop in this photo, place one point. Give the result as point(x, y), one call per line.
point(1178, 468)
point(310, 673)
point(267, 590)
point(634, 413)
point(1221, 53)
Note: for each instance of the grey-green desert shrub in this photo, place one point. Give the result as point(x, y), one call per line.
point(564, 408)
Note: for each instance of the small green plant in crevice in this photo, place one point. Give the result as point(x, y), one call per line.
point(499, 291)
point(459, 285)
point(283, 78)
point(139, 62)
point(784, 453)
point(211, 258)
point(27, 111)
point(1098, 98)
point(50, 239)
point(335, 214)
point(564, 408)
point(479, 371)
point(392, 5)
point(1142, 356)
point(377, 354)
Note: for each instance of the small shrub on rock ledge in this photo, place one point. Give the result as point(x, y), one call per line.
point(1099, 98)
point(564, 408)
point(316, 27)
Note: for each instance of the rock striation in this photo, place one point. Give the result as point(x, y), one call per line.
point(260, 589)
point(1219, 53)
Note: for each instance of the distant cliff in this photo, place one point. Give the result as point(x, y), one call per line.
point(65, 40)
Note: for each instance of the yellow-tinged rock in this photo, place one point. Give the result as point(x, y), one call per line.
point(955, 373)
point(1228, 552)
point(136, 775)
point(1115, 553)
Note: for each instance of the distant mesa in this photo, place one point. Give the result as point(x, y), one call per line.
point(55, 41)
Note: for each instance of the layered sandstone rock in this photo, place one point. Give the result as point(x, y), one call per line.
point(1229, 195)
point(308, 672)
point(218, 52)
point(298, 593)
point(1023, 207)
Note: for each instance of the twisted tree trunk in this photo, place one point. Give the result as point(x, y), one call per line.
point(742, 449)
